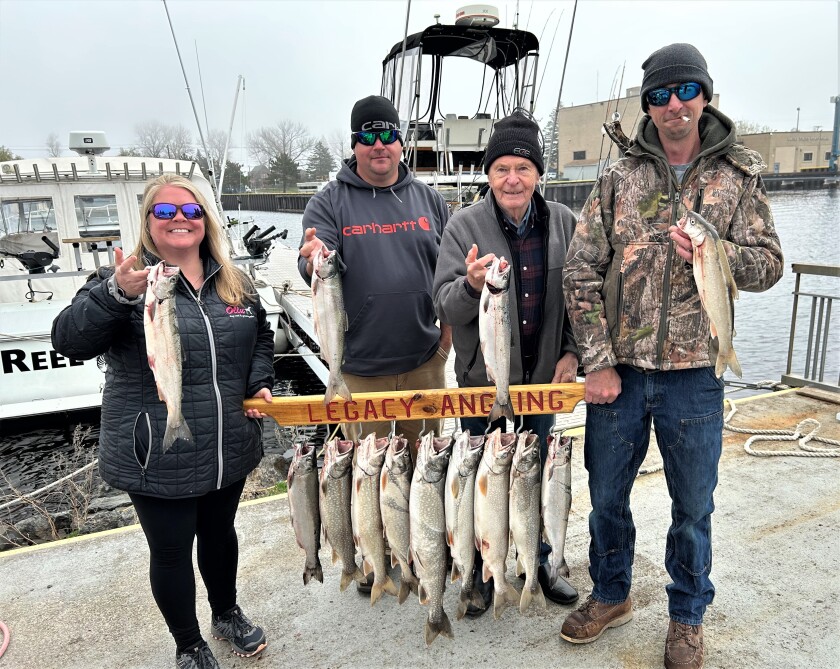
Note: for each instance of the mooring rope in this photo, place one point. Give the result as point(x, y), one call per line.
point(804, 433)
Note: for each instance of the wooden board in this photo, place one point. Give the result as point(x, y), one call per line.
point(418, 404)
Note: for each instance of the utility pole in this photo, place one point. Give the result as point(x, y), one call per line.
point(797, 119)
point(835, 138)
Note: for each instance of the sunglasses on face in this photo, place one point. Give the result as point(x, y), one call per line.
point(166, 212)
point(384, 136)
point(659, 97)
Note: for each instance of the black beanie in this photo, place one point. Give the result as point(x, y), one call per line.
point(677, 64)
point(371, 114)
point(515, 135)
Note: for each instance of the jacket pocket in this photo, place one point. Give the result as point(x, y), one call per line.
point(142, 435)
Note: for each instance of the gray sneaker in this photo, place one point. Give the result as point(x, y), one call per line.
point(234, 626)
point(200, 657)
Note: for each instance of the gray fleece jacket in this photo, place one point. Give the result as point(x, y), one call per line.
point(479, 225)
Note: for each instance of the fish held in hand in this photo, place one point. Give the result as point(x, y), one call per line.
point(428, 530)
point(716, 286)
point(330, 320)
point(459, 498)
point(163, 348)
point(302, 484)
point(495, 334)
point(336, 482)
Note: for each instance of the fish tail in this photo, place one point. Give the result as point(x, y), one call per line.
point(465, 599)
point(176, 428)
point(378, 588)
point(500, 410)
point(348, 577)
point(313, 572)
point(729, 359)
point(501, 600)
point(531, 593)
point(434, 629)
point(336, 386)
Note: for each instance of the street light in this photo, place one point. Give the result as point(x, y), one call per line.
point(797, 119)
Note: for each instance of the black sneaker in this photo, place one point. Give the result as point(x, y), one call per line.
point(200, 657)
point(246, 638)
point(364, 587)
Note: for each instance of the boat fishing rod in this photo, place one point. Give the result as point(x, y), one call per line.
point(195, 113)
point(560, 96)
point(239, 80)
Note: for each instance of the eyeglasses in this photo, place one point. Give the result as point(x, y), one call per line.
point(659, 97)
point(166, 212)
point(384, 136)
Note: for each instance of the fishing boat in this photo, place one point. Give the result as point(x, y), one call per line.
point(430, 74)
point(60, 220)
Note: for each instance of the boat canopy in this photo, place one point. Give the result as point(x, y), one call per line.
point(495, 47)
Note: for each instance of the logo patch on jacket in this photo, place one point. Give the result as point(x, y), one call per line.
point(421, 224)
point(234, 311)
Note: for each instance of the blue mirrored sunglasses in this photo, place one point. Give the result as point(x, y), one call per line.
point(166, 212)
point(384, 136)
point(659, 97)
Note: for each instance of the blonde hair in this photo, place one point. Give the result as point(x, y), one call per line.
point(232, 285)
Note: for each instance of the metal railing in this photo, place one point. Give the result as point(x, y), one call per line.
point(819, 331)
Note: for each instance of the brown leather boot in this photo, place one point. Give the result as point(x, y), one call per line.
point(684, 646)
point(590, 620)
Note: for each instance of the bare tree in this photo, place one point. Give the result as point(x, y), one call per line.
point(53, 146)
point(158, 140)
point(750, 128)
point(338, 142)
point(285, 137)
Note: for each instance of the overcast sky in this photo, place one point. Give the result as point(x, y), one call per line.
point(110, 64)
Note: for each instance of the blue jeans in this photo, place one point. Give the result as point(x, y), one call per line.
point(539, 424)
point(686, 408)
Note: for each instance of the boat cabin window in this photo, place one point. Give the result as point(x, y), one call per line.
point(97, 215)
point(26, 215)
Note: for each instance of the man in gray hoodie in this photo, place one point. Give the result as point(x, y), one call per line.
point(516, 222)
point(386, 227)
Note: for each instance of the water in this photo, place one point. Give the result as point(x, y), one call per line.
point(808, 224)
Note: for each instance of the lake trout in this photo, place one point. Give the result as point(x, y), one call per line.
point(459, 497)
point(716, 286)
point(495, 335)
point(330, 320)
point(492, 530)
point(302, 485)
point(334, 500)
point(163, 348)
point(556, 501)
point(428, 530)
point(525, 517)
point(367, 517)
point(395, 485)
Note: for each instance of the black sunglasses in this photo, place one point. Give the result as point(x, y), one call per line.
point(659, 97)
point(384, 136)
point(166, 212)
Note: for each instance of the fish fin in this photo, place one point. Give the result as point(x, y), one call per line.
point(519, 569)
point(347, 578)
point(175, 430)
point(486, 574)
point(455, 488)
point(456, 573)
point(367, 567)
point(335, 557)
point(500, 410)
point(467, 598)
point(389, 586)
point(394, 560)
point(481, 484)
point(423, 594)
point(450, 538)
point(508, 597)
point(313, 572)
point(443, 627)
point(375, 593)
point(337, 386)
point(731, 360)
point(728, 279)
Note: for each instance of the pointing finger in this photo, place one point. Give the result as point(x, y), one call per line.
point(472, 254)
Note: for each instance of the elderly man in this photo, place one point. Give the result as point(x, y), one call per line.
point(645, 339)
point(516, 222)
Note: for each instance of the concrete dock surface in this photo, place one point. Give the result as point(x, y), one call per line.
point(85, 603)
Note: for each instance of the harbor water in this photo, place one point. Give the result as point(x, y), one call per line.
point(33, 452)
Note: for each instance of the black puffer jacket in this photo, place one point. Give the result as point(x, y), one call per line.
point(227, 353)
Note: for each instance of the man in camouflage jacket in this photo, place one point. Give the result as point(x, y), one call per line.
point(644, 338)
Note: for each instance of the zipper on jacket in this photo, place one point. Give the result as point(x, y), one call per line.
point(666, 281)
point(143, 465)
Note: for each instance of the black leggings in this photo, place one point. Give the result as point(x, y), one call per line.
point(170, 526)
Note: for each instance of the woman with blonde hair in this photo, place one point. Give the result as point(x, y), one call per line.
point(191, 489)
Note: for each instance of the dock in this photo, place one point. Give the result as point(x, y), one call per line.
point(85, 602)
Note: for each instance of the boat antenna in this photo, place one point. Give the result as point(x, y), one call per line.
point(195, 113)
point(201, 82)
point(550, 51)
point(560, 93)
point(240, 80)
point(402, 57)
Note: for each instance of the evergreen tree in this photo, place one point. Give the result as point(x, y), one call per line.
point(6, 154)
point(282, 171)
point(320, 162)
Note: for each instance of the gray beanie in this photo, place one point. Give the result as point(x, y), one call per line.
point(677, 64)
point(515, 135)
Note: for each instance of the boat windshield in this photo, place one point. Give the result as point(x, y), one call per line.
point(18, 215)
point(96, 214)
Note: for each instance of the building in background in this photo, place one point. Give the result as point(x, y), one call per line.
point(794, 151)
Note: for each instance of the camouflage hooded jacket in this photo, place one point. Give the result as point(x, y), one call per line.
point(630, 297)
